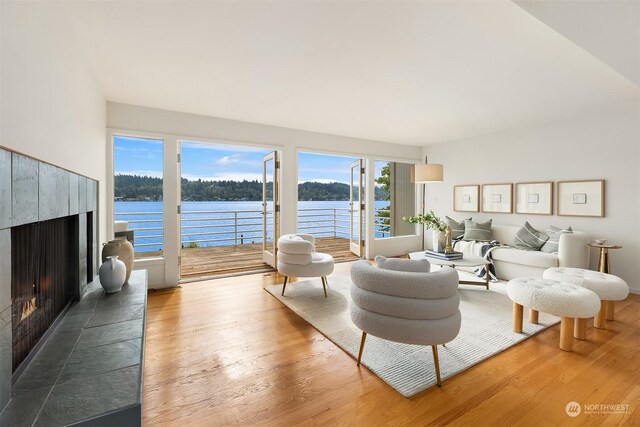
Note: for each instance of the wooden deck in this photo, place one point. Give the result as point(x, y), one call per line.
point(230, 260)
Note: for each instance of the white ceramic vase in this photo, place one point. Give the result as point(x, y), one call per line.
point(438, 240)
point(112, 274)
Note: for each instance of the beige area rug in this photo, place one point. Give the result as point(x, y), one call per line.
point(486, 330)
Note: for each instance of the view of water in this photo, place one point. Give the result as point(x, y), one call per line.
point(214, 223)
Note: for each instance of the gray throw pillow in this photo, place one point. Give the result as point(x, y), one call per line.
point(398, 264)
point(478, 231)
point(529, 239)
point(457, 228)
point(551, 245)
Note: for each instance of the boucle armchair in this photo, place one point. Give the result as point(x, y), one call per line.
point(412, 307)
point(297, 257)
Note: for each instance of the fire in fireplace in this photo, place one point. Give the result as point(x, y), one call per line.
point(44, 279)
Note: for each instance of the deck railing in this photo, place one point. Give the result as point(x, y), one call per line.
point(238, 227)
point(147, 229)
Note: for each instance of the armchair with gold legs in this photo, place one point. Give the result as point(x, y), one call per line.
point(398, 301)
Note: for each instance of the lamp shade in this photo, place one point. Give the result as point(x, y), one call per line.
point(429, 172)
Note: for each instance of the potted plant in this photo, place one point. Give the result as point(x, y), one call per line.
point(431, 222)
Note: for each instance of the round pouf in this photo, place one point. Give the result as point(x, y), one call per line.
point(566, 300)
point(608, 287)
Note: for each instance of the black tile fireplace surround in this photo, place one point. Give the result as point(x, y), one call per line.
point(48, 253)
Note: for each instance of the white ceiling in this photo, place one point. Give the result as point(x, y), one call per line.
point(403, 72)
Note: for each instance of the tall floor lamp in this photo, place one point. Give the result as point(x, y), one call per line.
point(426, 173)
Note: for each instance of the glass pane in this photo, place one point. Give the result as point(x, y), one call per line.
point(355, 209)
point(394, 198)
point(269, 168)
point(138, 206)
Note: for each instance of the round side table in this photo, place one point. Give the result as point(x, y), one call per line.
point(604, 266)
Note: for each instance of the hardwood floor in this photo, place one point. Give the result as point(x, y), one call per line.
point(226, 352)
point(226, 260)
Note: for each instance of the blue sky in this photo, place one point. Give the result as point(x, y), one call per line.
point(220, 162)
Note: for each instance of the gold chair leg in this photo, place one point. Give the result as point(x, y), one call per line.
point(364, 337)
point(324, 285)
point(285, 284)
point(434, 348)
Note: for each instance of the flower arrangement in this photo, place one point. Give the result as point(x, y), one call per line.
point(430, 221)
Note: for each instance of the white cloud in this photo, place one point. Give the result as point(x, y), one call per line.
point(227, 160)
point(221, 147)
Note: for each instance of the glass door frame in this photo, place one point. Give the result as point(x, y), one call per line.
point(270, 249)
point(357, 245)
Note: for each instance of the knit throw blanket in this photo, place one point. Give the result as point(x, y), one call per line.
point(483, 249)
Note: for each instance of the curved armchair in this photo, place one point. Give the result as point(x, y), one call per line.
point(410, 307)
point(297, 257)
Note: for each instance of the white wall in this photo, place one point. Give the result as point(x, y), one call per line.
point(172, 126)
point(51, 106)
point(603, 145)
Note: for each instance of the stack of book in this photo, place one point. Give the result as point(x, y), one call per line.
point(443, 256)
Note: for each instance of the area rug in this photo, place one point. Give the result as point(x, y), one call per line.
point(486, 330)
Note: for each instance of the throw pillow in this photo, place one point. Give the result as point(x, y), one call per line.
point(551, 245)
point(409, 265)
point(529, 239)
point(478, 231)
point(457, 228)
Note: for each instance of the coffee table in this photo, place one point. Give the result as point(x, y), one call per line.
point(466, 261)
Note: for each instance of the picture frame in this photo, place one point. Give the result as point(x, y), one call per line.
point(466, 198)
point(581, 198)
point(534, 198)
point(497, 198)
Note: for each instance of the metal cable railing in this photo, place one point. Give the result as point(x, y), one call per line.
point(238, 227)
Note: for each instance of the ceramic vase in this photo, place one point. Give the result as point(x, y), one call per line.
point(438, 240)
point(123, 249)
point(112, 274)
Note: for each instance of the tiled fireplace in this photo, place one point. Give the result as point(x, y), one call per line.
point(48, 253)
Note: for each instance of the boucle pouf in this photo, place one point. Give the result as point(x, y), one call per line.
point(562, 299)
point(608, 287)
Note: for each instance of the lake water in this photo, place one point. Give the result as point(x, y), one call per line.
point(228, 223)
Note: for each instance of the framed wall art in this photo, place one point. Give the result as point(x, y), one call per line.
point(466, 198)
point(497, 198)
point(581, 198)
point(534, 198)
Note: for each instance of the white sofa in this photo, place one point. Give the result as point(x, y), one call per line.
point(511, 263)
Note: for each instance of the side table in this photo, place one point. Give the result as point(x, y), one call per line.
point(604, 266)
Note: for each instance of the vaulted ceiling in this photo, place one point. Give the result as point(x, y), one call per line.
point(413, 72)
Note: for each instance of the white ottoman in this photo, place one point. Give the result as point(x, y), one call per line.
point(608, 287)
point(566, 300)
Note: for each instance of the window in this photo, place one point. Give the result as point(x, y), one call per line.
point(395, 198)
point(138, 206)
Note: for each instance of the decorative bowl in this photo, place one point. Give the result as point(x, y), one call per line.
point(600, 241)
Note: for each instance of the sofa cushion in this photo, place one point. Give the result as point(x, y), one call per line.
point(457, 228)
point(530, 258)
point(551, 245)
point(478, 231)
point(529, 239)
point(398, 264)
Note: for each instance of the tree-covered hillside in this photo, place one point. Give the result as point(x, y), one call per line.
point(135, 187)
